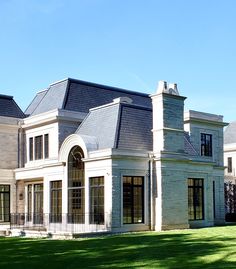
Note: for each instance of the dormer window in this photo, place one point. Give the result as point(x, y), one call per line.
point(206, 145)
point(39, 147)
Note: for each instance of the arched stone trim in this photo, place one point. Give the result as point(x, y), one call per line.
point(87, 143)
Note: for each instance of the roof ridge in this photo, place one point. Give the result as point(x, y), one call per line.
point(59, 81)
point(117, 133)
point(39, 101)
point(102, 86)
point(42, 91)
point(66, 94)
point(19, 109)
point(4, 96)
point(134, 105)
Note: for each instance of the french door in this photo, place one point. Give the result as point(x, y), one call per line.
point(38, 203)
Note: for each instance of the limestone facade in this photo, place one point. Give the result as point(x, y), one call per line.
point(139, 189)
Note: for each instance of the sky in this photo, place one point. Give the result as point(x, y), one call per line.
point(131, 44)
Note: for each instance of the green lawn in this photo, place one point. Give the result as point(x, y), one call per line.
point(200, 248)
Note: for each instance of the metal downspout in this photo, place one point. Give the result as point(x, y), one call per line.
point(152, 224)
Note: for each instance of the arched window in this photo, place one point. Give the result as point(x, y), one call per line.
point(76, 185)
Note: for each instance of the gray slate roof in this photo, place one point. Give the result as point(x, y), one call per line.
point(122, 126)
point(9, 108)
point(77, 95)
point(35, 103)
point(135, 128)
point(188, 147)
point(230, 133)
point(116, 125)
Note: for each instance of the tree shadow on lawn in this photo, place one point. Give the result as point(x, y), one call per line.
point(139, 250)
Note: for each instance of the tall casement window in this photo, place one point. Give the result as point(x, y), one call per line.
point(39, 147)
point(4, 203)
point(96, 200)
point(133, 200)
point(31, 149)
point(229, 164)
point(38, 203)
point(195, 199)
point(55, 201)
point(76, 186)
point(206, 144)
point(46, 146)
point(29, 202)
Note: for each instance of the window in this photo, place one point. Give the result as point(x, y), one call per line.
point(31, 149)
point(206, 144)
point(46, 146)
point(56, 201)
point(39, 147)
point(195, 199)
point(76, 186)
point(29, 202)
point(229, 164)
point(38, 203)
point(97, 200)
point(4, 203)
point(133, 200)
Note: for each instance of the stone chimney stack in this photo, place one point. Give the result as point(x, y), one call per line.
point(168, 113)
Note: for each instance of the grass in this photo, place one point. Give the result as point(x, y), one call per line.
point(199, 248)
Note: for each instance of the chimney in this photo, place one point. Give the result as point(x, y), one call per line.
point(168, 125)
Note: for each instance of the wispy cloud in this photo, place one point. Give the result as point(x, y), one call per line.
point(141, 82)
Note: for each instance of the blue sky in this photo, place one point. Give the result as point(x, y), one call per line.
point(130, 44)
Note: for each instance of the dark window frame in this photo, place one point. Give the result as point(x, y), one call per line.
point(76, 186)
point(196, 199)
point(46, 146)
point(38, 203)
point(129, 198)
point(229, 165)
point(56, 201)
point(29, 201)
point(96, 200)
point(5, 190)
point(206, 144)
point(39, 147)
point(31, 148)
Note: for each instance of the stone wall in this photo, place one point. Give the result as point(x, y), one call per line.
point(20, 196)
point(8, 147)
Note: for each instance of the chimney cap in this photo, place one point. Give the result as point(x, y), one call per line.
point(164, 88)
point(173, 89)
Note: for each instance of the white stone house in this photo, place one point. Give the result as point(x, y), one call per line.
point(230, 172)
point(230, 152)
point(98, 158)
point(10, 118)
